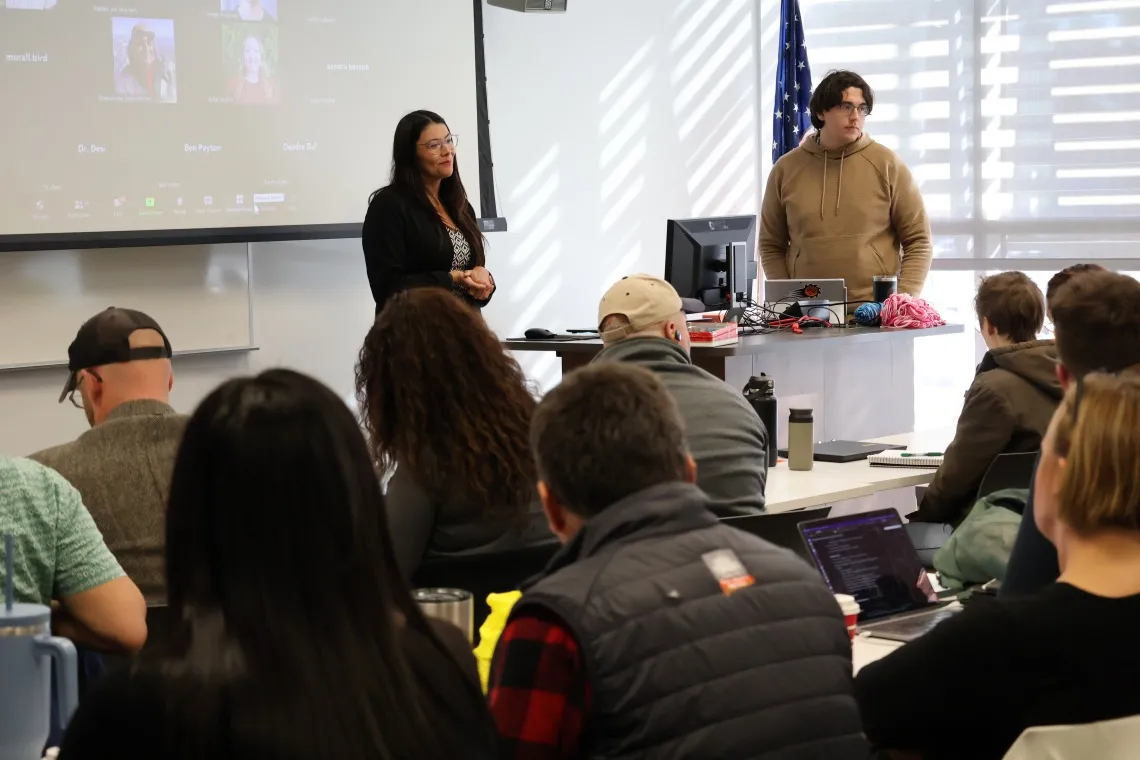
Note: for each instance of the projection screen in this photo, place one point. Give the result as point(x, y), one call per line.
point(162, 120)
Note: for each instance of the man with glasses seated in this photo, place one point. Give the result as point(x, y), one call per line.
point(841, 205)
point(121, 378)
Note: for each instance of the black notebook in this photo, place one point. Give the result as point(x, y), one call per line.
point(847, 451)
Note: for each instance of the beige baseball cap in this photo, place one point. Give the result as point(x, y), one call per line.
point(643, 299)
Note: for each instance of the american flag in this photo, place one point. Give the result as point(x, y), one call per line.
point(791, 119)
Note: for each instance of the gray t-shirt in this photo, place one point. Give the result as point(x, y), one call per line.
point(122, 468)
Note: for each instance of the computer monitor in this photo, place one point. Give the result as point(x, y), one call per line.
point(712, 260)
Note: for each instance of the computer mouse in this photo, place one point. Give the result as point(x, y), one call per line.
point(538, 333)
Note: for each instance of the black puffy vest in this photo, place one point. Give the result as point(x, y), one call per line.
point(680, 669)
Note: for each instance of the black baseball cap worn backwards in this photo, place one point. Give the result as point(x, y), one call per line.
point(106, 339)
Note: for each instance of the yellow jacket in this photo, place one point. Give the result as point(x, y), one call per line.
point(492, 629)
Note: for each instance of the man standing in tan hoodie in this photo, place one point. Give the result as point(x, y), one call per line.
point(841, 205)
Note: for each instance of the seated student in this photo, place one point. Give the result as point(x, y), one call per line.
point(657, 631)
point(294, 635)
point(1096, 320)
point(1064, 655)
point(1010, 402)
point(120, 367)
point(449, 409)
point(60, 556)
point(641, 322)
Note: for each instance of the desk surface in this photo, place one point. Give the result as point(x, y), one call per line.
point(867, 649)
point(752, 344)
point(829, 482)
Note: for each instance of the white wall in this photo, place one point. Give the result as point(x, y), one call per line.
point(606, 121)
point(311, 309)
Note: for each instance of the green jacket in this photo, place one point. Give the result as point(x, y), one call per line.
point(978, 551)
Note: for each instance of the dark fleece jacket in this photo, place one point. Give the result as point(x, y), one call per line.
point(1007, 410)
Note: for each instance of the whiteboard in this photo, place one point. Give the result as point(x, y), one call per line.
point(199, 294)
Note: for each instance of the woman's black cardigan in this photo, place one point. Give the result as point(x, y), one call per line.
point(406, 245)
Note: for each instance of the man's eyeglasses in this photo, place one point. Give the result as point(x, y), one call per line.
point(78, 402)
point(435, 146)
point(1079, 391)
point(850, 108)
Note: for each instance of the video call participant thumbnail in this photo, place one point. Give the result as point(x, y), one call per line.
point(144, 61)
point(29, 5)
point(251, 57)
point(251, 10)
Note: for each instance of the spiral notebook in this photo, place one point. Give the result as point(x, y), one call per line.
point(905, 459)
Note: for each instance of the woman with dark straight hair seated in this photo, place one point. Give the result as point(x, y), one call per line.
point(449, 411)
point(293, 634)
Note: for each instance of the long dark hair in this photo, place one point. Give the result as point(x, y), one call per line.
point(407, 178)
point(282, 581)
point(441, 397)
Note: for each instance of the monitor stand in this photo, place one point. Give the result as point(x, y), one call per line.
point(734, 314)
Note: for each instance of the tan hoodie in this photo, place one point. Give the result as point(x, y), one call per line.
point(850, 213)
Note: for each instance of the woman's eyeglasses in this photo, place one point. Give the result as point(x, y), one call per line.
point(435, 146)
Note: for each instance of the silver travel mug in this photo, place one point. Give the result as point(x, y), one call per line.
point(451, 605)
point(801, 439)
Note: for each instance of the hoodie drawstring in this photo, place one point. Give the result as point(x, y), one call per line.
point(823, 193)
point(838, 190)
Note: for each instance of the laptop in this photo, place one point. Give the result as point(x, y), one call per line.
point(870, 556)
point(825, 299)
point(846, 451)
point(779, 528)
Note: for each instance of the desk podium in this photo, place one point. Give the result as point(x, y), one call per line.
point(858, 380)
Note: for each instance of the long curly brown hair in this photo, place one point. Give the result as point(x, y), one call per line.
point(439, 395)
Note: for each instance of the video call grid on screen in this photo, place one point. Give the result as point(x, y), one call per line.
point(185, 114)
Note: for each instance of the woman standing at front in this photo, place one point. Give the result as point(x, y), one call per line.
point(420, 230)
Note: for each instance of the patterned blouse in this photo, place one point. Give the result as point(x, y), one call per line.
point(461, 259)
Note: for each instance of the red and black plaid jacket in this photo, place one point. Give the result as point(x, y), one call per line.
point(538, 692)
